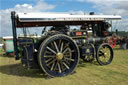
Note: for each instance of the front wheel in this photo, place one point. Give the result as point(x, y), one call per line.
point(58, 55)
point(104, 54)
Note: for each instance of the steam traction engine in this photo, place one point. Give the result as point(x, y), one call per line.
point(58, 50)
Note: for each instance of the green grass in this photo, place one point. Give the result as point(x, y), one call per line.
point(13, 73)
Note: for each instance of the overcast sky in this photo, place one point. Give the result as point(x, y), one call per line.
point(118, 7)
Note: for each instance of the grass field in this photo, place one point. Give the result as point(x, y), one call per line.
point(13, 73)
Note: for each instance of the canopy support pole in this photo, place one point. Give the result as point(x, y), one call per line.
point(14, 34)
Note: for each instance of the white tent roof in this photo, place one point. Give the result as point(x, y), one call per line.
point(32, 17)
point(7, 37)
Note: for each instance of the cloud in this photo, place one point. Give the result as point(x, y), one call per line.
point(118, 7)
point(110, 6)
point(5, 15)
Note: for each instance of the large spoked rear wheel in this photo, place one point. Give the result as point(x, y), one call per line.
point(58, 55)
point(104, 54)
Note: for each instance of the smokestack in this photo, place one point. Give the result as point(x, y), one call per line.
point(92, 13)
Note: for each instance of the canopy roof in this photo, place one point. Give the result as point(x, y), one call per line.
point(49, 19)
point(34, 17)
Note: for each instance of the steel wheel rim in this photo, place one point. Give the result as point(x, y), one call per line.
point(65, 69)
point(105, 54)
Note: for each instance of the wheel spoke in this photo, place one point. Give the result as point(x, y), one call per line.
point(70, 51)
point(56, 46)
point(107, 56)
point(51, 62)
point(102, 49)
point(51, 50)
point(107, 50)
point(101, 58)
point(67, 62)
point(49, 56)
point(52, 45)
point(48, 60)
point(66, 65)
point(69, 59)
point(100, 52)
point(65, 50)
point(66, 45)
point(105, 59)
point(61, 47)
point(55, 65)
point(52, 66)
point(62, 66)
point(59, 67)
point(66, 55)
